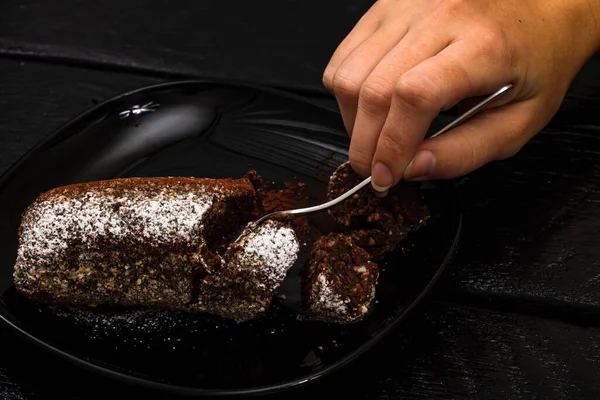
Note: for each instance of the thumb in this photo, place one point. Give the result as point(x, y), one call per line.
point(492, 135)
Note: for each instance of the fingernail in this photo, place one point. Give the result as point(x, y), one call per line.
point(380, 194)
point(382, 177)
point(421, 166)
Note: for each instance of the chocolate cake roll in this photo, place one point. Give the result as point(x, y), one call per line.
point(253, 269)
point(339, 282)
point(141, 242)
point(377, 224)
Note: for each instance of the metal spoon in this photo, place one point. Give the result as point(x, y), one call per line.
point(331, 203)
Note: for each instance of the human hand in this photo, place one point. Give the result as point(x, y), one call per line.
point(405, 61)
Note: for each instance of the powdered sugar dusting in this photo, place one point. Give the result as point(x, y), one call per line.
point(328, 299)
point(143, 321)
point(272, 250)
point(161, 217)
point(138, 326)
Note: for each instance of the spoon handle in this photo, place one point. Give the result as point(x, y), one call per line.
point(365, 182)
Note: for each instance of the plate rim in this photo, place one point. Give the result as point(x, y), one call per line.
point(257, 390)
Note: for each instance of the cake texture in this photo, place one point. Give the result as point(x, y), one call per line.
point(168, 242)
point(253, 268)
point(140, 242)
point(377, 224)
point(339, 283)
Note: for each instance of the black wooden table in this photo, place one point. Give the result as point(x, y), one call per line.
point(518, 313)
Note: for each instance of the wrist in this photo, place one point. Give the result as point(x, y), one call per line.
point(586, 23)
point(595, 16)
point(576, 30)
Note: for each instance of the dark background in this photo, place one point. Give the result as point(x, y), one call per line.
point(518, 313)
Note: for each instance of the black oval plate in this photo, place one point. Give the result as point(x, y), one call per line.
point(211, 130)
